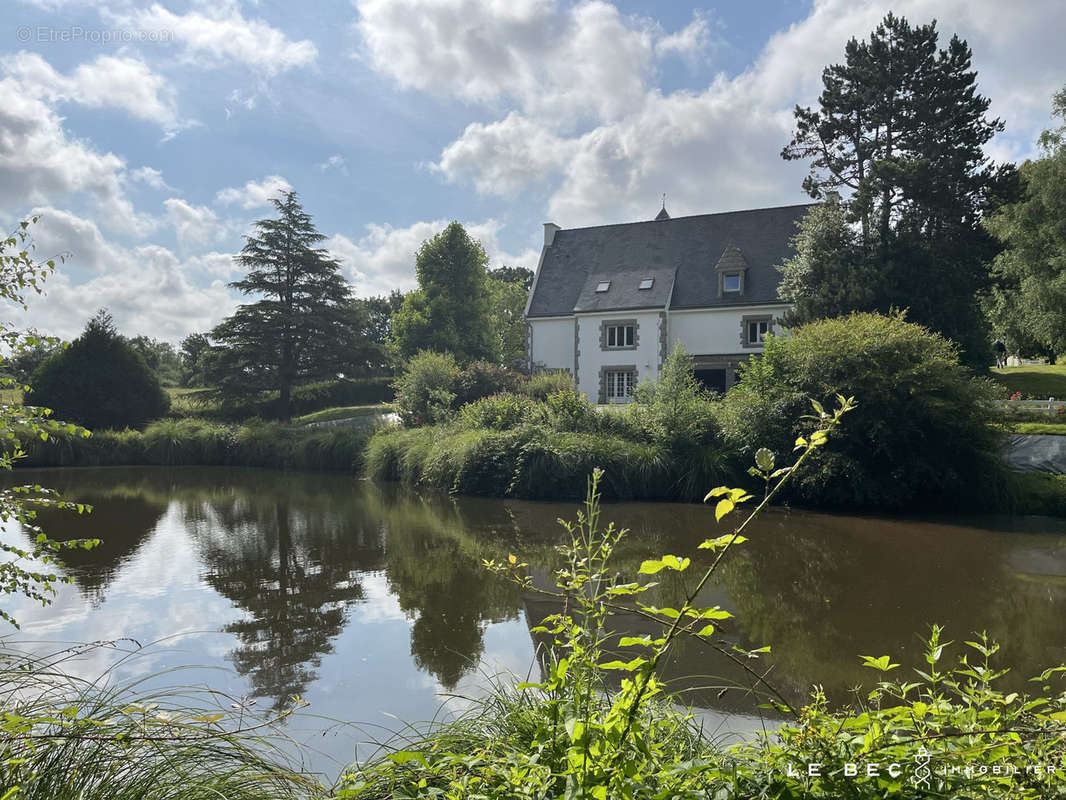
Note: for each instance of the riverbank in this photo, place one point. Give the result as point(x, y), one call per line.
point(527, 461)
point(536, 463)
point(198, 442)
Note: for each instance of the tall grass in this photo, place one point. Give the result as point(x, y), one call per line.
point(201, 442)
point(66, 738)
point(530, 461)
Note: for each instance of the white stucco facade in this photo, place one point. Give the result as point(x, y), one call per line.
point(717, 339)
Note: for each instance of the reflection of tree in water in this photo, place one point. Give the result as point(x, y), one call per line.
point(433, 565)
point(289, 559)
point(122, 524)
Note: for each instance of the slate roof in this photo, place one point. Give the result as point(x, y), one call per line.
point(624, 291)
point(687, 248)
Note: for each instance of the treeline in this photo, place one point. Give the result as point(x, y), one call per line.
point(915, 215)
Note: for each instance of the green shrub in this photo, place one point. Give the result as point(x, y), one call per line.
point(543, 384)
point(427, 389)
point(99, 381)
point(499, 412)
point(922, 436)
point(482, 379)
point(256, 443)
point(529, 461)
point(677, 414)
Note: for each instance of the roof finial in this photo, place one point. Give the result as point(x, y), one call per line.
point(662, 214)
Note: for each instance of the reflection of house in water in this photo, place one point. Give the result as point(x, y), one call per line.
point(695, 670)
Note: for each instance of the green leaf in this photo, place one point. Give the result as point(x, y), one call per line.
point(724, 507)
point(721, 541)
point(651, 566)
point(671, 613)
point(764, 459)
point(403, 756)
point(883, 663)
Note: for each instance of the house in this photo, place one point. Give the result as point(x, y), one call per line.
point(609, 302)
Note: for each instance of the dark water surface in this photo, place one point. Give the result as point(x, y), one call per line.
point(370, 601)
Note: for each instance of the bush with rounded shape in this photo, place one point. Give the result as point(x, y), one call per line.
point(427, 388)
point(99, 381)
point(923, 434)
point(483, 379)
point(500, 412)
point(542, 384)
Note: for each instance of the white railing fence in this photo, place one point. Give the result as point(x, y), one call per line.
point(1050, 406)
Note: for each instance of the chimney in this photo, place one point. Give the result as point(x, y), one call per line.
point(549, 233)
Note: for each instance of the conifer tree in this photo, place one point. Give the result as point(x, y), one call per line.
point(900, 130)
point(300, 329)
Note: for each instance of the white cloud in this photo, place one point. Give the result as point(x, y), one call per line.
point(106, 82)
point(383, 259)
point(690, 43)
point(335, 161)
point(192, 224)
point(222, 35)
point(505, 156)
point(254, 194)
point(147, 288)
point(570, 63)
point(608, 141)
point(150, 177)
point(40, 163)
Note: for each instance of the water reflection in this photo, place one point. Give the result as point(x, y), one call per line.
point(316, 581)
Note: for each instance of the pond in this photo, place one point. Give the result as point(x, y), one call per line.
point(371, 603)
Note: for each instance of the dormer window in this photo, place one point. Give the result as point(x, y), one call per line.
point(647, 283)
point(603, 286)
point(731, 269)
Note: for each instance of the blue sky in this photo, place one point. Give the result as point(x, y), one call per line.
point(149, 135)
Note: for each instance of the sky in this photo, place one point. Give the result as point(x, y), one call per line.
point(149, 136)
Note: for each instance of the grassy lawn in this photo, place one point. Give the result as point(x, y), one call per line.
point(1057, 428)
point(341, 412)
point(1041, 381)
point(184, 399)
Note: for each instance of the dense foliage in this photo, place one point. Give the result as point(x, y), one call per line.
point(508, 289)
point(374, 316)
point(450, 310)
point(511, 442)
point(901, 128)
point(161, 358)
point(923, 435)
point(1027, 304)
point(301, 329)
point(99, 381)
point(189, 442)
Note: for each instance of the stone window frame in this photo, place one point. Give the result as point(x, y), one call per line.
point(604, 369)
point(749, 318)
point(611, 323)
point(722, 291)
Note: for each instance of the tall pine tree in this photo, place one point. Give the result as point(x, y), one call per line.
point(300, 330)
point(900, 129)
